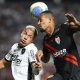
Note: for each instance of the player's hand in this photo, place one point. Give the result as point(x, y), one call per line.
point(39, 55)
point(71, 19)
point(38, 65)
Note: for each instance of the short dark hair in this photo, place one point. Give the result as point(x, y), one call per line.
point(48, 14)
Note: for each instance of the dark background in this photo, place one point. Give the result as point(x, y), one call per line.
point(15, 15)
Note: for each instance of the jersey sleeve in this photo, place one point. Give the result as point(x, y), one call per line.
point(9, 55)
point(31, 55)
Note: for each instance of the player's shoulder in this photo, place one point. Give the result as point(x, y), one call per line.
point(14, 46)
point(31, 46)
point(63, 26)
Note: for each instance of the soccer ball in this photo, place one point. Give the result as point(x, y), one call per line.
point(36, 8)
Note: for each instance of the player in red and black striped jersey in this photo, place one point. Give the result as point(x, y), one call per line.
point(59, 43)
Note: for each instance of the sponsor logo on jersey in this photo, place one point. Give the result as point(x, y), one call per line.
point(16, 60)
point(62, 52)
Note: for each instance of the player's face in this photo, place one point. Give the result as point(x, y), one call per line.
point(27, 37)
point(44, 23)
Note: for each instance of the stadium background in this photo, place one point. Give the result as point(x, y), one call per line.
point(15, 15)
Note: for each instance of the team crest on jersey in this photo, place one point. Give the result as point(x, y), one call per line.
point(57, 40)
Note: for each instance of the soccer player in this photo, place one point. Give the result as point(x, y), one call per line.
point(59, 43)
point(22, 54)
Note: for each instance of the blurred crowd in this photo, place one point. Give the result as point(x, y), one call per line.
point(14, 16)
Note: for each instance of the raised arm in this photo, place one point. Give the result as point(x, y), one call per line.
point(72, 20)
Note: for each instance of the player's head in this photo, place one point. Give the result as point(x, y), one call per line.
point(46, 21)
point(28, 34)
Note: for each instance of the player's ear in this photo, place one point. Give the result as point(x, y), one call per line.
point(50, 20)
point(21, 33)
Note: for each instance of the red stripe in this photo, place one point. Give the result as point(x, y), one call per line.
point(71, 56)
point(50, 47)
point(72, 61)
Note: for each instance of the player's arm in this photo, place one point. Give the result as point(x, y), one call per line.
point(4, 63)
point(39, 55)
point(72, 20)
point(42, 56)
point(36, 66)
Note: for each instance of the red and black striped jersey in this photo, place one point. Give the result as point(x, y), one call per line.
point(62, 46)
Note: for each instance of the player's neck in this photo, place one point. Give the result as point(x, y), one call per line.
point(52, 30)
point(20, 46)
